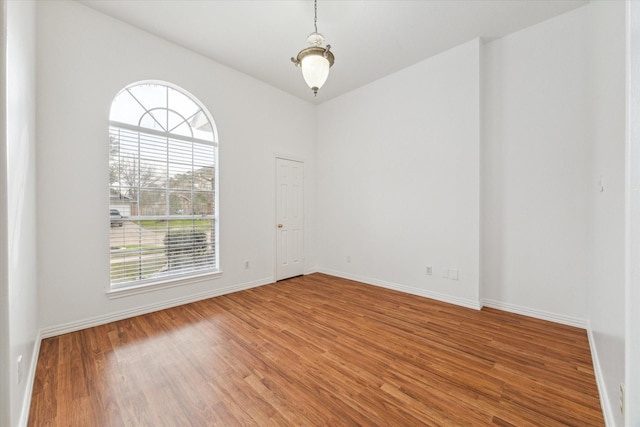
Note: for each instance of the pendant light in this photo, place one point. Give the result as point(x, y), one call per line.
point(315, 60)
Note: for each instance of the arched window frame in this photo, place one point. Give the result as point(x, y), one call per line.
point(168, 232)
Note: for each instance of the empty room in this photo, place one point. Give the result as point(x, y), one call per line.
point(362, 212)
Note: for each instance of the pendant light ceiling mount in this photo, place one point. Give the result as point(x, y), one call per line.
point(315, 60)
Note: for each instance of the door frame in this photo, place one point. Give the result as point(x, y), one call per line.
point(275, 212)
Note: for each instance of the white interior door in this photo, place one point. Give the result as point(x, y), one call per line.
point(290, 218)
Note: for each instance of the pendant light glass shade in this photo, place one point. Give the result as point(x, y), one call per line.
point(315, 70)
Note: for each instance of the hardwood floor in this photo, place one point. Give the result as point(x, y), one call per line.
point(318, 351)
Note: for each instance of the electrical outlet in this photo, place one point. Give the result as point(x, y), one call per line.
point(445, 273)
point(246, 265)
point(20, 369)
point(453, 274)
point(429, 270)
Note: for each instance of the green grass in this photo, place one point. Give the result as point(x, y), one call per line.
point(198, 224)
point(142, 247)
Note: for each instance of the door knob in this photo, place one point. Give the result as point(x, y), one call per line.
point(279, 225)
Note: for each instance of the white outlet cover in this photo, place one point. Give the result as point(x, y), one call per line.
point(453, 274)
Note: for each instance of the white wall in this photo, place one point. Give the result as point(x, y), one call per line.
point(535, 170)
point(606, 290)
point(398, 184)
point(85, 58)
point(5, 386)
point(21, 203)
point(632, 296)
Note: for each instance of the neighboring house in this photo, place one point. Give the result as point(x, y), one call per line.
point(123, 204)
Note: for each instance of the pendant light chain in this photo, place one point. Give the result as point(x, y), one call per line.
point(315, 15)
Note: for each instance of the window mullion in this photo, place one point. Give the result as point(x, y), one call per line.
point(193, 181)
point(138, 188)
point(163, 134)
point(167, 184)
point(145, 109)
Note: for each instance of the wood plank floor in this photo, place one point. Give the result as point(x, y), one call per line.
point(318, 351)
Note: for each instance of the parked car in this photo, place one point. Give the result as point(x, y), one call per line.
point(116, 218)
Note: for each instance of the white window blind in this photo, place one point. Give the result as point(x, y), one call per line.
point(162, 186)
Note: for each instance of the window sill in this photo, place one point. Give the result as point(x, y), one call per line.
point(156, 286)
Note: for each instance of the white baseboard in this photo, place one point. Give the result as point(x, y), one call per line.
point(605, 403)
point(538, 314)
point(112, 317)
point(407, 289)
point(31, 378)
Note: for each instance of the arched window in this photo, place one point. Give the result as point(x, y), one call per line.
point(163, 154)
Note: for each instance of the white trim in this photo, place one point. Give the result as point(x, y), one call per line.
point(292, 158)
point(170, 282)
point(112, 317)
point(31, 379)
point(605, 404)
point(538, 314)
point(406, 289)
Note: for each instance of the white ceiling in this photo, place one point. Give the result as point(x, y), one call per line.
point(369, 38)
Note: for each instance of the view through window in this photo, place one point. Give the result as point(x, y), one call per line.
point(162, 186)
